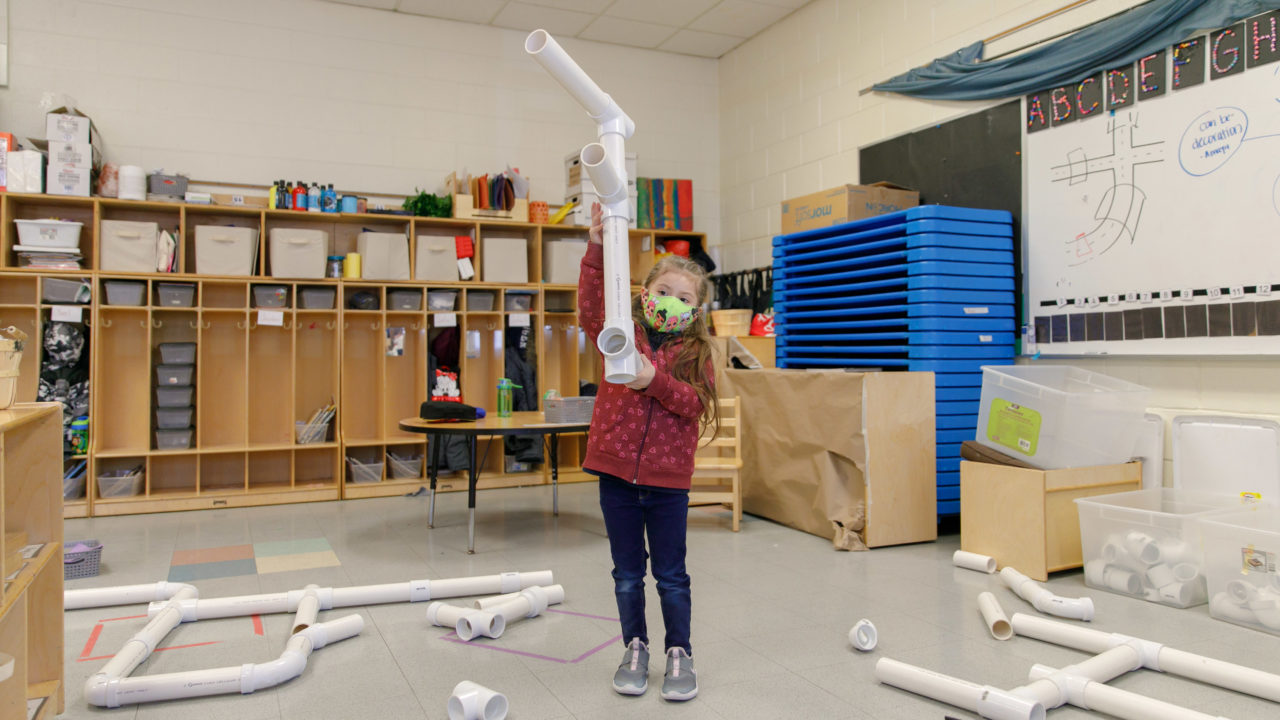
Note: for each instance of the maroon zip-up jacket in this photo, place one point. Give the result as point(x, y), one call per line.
point(648, 436)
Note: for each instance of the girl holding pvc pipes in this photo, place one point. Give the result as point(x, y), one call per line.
point(641, 445)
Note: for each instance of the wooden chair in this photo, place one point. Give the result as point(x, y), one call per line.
point(718, 462)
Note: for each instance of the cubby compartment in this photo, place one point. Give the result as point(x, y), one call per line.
point(273, 296)
point(482, 350)
point(363, 348)
point(271, 470)
point(172, 475)
point(435, 250)
point(115, 478)
point(560, 301)
point(559, 356)
point(18, 290)
point(442, 299)
point(508, 255)
point(174, 295)
point(122, 406)
point(66, 291)
point(315, 468)
point(365, 465)
point(271, 384)
point(362, 298)
point(405, 375)
point(79, 210)
point(222, 472)
point(562, 253)
point(223, 295)
point(217, 216)
point(124, 293)
point(26, 318)
point(406, 462)
point(482, 301)
point(221, 402)
point(316, 367)
point(311, 297)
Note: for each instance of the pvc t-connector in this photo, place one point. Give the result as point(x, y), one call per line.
point(998, 704)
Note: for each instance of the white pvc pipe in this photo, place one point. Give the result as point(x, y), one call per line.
point(974, 561)
point(1044, 600)
point(1057, 688)
point(487, 602)
point(1095, 695)
point(446, 615)
point(993, 615)
point(987, 701)
point(605, 163)
point(121, 595)
point(471, 701)
point(530, 602)
point(863, 635)
point(308, 609)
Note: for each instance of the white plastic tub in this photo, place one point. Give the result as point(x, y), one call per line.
point(1147, 544)
point(49, 233)
point(1242, 564)
point(120, 483)
point(1058, 416)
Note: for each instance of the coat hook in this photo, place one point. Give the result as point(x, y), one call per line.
point(106, 323)
point(207, 325)
point(194, 325)
point(288, 325)
point(241, 325)
point(253, 326)
point(346, 326)
point(374, 325)
point(144, 324)
point(157, 323)
point(331, 325)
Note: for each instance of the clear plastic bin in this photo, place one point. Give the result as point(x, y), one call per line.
point(125, 292)
point(173, 439)
point(173, 418)
point(364, 472)
point(56, 291)
point(174, 397)
point(307, 434)
point(480, 300)
point(442, 300)
point(73, 487)
point(1242, 564)
point(1146, 543)
point(270, 296)
point(404, 468)
point(404, 299)
point(120, 483)
point(517, 302)
point(179, 353)
point(317, 298)
point(49, 233)
point(1057, 416)
point(174, 375)
point(176, 294)
point(569, 409)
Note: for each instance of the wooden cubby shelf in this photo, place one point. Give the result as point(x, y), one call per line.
point(253, 380)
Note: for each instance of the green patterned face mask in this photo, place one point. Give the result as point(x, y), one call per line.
point(667, 313)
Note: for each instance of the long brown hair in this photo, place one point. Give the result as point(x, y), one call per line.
point(695, 357)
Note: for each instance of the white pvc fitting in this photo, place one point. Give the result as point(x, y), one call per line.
point(1142, 547)
point(1123, 581)
point(993, 615)
point(1225, 607)
point(1095, 572)
point(863, 635)
point(471, 701)
point(974, 561)
point(308, 609)
point(1179, 594)
point(1241, 592)
point(1044, 600)
point(480, 622)
point(1185, 572)
point(603, 171)
point(1160, 575)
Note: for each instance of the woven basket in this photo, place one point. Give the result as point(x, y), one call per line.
point(81, 564)
point(731, 322)
point(12, 341)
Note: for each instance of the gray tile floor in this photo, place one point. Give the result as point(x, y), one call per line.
point(772, 608)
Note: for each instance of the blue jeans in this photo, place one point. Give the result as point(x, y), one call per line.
point(629, 511)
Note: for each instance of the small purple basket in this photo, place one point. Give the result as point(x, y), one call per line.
point(80, 559)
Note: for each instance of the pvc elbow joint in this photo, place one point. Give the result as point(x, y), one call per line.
point(1044, 600)
point(997, 704)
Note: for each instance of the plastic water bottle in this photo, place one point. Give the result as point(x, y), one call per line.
point(504, 396)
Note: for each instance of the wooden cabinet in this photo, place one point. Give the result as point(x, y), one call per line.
point(31, 514)
point(256, 375)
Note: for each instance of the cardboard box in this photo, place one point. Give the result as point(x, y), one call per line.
point(844, 204)
point(581, 213)
point(67, 180)
point(6, 145)
point(1027, 518)
point(562, 261)
point(575, 177)
point(62, 152)
point(255, 201)
point(25, 171)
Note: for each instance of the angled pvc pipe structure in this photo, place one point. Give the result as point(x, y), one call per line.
point(1044, 600)
point(605, 163)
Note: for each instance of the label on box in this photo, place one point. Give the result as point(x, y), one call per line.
point(1014, 426)
point(1253, 560)
point(67, 313)
point(271, 317)
point(519, 319)
point(976, 311)
point(446, 320)
point(985, 338)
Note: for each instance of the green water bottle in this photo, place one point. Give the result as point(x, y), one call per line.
point(504, 396)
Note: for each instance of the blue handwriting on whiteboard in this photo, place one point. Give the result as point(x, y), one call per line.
point(1212, 139)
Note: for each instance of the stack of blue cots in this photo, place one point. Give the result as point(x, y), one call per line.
point(930, 288)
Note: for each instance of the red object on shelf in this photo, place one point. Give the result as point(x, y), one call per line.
point(464, 246)
point(677, 247)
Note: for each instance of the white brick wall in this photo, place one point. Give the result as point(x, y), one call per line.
point(782, 91)
point(252, 90)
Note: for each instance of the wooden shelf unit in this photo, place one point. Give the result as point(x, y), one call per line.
point(254, 381)
point(31, 513)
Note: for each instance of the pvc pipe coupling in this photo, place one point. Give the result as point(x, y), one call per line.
point(974, 561)
point(863, 635)
point(472, 701)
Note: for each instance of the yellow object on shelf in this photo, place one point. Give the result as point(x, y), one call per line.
point(351, 266)
point(731, 322)
point(562, 213)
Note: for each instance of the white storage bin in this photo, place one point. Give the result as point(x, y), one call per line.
point(298, 253)
point(383, 256)
point(404, 299)
point(1242, 563)
point(506, 260)
point(514, 301)
point(442, 300)
point(1058, 416)
point(364, 472)
point(437, 259)
point(480, 300)
point(49, 233)
point(224, 250)
point(1146, 543)
point(562, 261)
point(125, 292)
point(128, 246)
point(120, 483)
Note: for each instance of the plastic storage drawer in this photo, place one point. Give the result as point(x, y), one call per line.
point(442, 300)
point(517, 302)
point(404, 468)
point(480, 300)
point(312, 298)
point(404, 299)
point(174, 375)
point(179, 353)
point(127, 246)
point(173, 418)
point(58, 291)
point(174, 397)
point(173, 439)
point(176, 294)
point(1058, 416)
point(225, 250)
point(298, 253)
point(1146, 543)
point(125, 292)
point(270, 296)
point(362, 472)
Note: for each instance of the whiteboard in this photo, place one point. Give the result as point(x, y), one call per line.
point(1158, 214)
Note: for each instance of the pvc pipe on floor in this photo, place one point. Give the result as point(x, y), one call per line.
point(446, 615)
point(471, 701)
point(974, 561)
point(1096, 695)
point(1044, 600)
point(308, 609)
point(863, 635)
point(487, 602)
point(121, 595)
point(987, 701)
point(530, 602)
point(1057, 688)
point(993, 615)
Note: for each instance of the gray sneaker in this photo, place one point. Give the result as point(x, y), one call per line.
point(681, 681)
point(632, 677)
